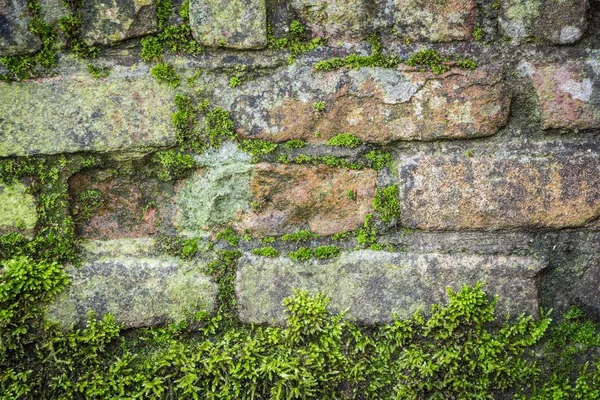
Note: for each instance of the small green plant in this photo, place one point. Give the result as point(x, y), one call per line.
point(172, 165)
point(323, 252)
point(229, 236)
point(478, 33)
point(152, 50)
point(340, 236)
point(387, 204)
point(165, 73)
point(302, 254)
point(377, 159)
point(98, 72)
point(367, 235)
point(430, 59)
point(295, 144)
point(267, 240)
point(351, 194)
point(469, 153)
point(257, 147)
point(496, 4)
point(466, 63)
point(344, 140)
point(296, 41)
point(319, 106)
point(234, 81)
point(300, 236)
point(355, 61)
point(88, 202)
point(219, 126)
point(266, 252)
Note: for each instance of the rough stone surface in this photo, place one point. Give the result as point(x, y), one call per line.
point(110, 21)
point(378, 105)
point(216, 194)
point(453, 192)
point(374, 286)
point(17, 209)
point(559, 22)
point(569, 94)
point(435, 21)
point(239, 24)
point(289, 198)
point(334, 19)
point(140, 289)
point(15, 36)
point(78, 113)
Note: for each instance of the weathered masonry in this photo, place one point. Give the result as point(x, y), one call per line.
point(377, 150)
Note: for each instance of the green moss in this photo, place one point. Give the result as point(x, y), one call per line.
point(344, 140)
point(323, 252)
point(332, 161)
point(302, 254)
point(387, 204)
point(466, 63)
point(266, 252)
point(88, 203)
point(229, 236)
point(184, 120)
point(351, 194)
point(341, 236)
point(367, 235)
point(295, 144)
point(257, 147)
point(219, 126)
point(151, 49)
point(267, 240)
point(300, 236)
point(430, 59)
point(71, 25)
point(178, 39)
point(355, 61)
point(164, 9)
point(377, 159)
point(319, 106)
point(296, 41)
point(478, 33)
point(165, 73)
point(172, 165)
point(234, 81)
point(98, 72)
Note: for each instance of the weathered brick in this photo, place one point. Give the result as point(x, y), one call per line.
point(561, 22)
point(15, 36)
point(435, 21)
point(293, 197)
point(17, 209)
point(79, 113)
point(569, 94)
point(110, 21)
point(454, 192)
point(239, 24)
point(139, 288)
point(378, 105)
point(374, 286)
point(334, 19)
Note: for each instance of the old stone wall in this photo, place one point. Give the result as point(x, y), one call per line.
point(377, 150)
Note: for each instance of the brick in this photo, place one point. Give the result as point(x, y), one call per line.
point(141, 289)
point(373, 286)
point(239, 24)
point(79, 113)
point(378, 105)
point(568, 94)
point(288, 198)
point(15, 36)
point(457, 192)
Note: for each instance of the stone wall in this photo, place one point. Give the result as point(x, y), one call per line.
point(480, 161)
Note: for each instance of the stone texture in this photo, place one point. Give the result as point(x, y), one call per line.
point(140, 289)
point(587, 289)
point(17, 209)
point(110, 21)
point(569, 94)
point(15, 36)
point(378, 105)
point(289, 198)
point(79, 113)
point(334, 19)
point(558, 22)
point(216, 194)
point(543, 190)
point(374, 286)
point(239, 24)
point(435, 21)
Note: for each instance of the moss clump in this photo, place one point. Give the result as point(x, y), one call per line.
point(219, 126)
point(319, 106)
point(296, 41)
point(257, 148)
point(176, 246)
point(302, 254)
point(387, 204)
point(234, 81)
point(377, 159)
point(367, 235)
point(344, 140)
point(478, 33)
point(355, 61)
point(98, 72)
point(332, 161)
point(340, 236)
point(323, 252)
point(267, 251)
point(430, 59)
point(71, 25)
point(295, 144)
point(88, 203)
point(165, 73)
point(466, 63)
point(172, 165)
point(229, 236)
point(300, 236)
point(151, 49)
